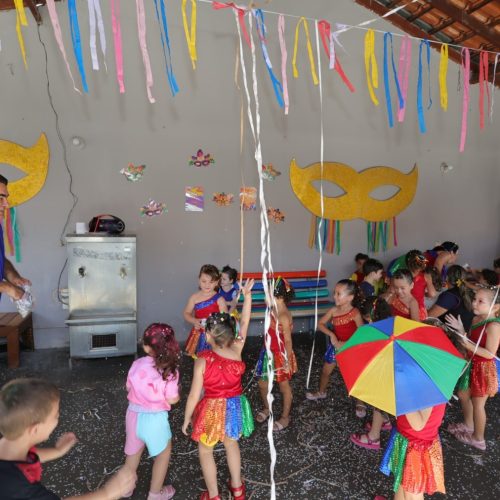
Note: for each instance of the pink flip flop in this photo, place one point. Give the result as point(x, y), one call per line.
point(386, 426)
point(466, 438)
point(459, 427)
point(357, 439)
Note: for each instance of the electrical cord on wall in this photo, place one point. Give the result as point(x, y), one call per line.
point(61, 140)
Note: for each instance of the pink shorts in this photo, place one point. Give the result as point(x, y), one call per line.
point(150, 429)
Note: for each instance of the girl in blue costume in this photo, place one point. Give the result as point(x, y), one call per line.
point(229, 288)
point(200, 306)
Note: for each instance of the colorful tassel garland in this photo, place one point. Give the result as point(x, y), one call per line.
point(330, 235)
point(12, 240)
point(378, 235)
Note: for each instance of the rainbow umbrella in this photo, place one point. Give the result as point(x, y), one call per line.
point(399, 365)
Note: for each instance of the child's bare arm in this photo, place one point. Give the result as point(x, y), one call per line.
point(324, 321)
point(222, 305)
point(188, 313)
point(247, 308)
point(62, 446)
point(414, 310)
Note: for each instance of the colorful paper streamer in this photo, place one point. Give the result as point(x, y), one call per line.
point(371, 67)
point(303, 21)
point(190, 31)
point(77, 45)
point(443, 72)
point(117, 39)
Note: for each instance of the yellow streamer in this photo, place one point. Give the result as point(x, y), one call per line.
point(190, 32)
point(371, 60)
point(309, 51)
point(21, 20)
point(443, 70)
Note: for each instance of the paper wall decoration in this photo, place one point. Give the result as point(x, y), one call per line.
point(33, 161)
point(355, 203)
point(269, 173)
point(275, 214)
point(195, 199)
point(133, 173)
point(201, 159)
point(248, 198)
point(153, 208)
point(223, 199)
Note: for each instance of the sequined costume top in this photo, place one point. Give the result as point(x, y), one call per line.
point(475, 333)
point(222, 377)
point(202, 310)
point(430, 430)
point(230, 294)
point(344, 325)
point(277, 339)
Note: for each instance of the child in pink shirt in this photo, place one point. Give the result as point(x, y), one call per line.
point(153, 386)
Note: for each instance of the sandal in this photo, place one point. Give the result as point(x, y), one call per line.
point(166, 493)
point(360, 410)
point(459, 427)
point(206, 496)
point(314, 396)
point(386, 426)
point(278, 426)
point(237, 493)
point(262, 416)
point(364, 441)
point(466, 438)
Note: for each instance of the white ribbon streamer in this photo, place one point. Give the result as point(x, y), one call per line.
point(96, 14)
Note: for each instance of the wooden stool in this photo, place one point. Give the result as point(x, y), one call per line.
point(14, 327)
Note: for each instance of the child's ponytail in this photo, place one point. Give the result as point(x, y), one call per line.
point(160, 338)
point(456, 278)
point(353, 289)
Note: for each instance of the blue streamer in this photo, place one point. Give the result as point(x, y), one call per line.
point(420, 106)
point(165, 40)
point(261, 30)
point(75, 38)
point(388, 36)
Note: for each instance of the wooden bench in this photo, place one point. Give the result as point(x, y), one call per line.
point(15, 328)
point(307, 287)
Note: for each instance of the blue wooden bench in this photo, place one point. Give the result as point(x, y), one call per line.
point(307, 287)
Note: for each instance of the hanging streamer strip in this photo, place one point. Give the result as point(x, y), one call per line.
point(284, 56)
point(190, 32)
point(21, 20)
point(261, 30)
point(265, 258)
point(327, 40)
point(492, 91)
point(96, 14)
point(322, 221)
point(483, 85)
point(420, 105)
point(371, 63)
point(387, 37)
point(165, 40)
point(141, 30)
point(241, 16)
point(77, 45)
point(15, 231)
point(443, 71)
point(465, 102)
point(404, 73)
point(117, 38)
point(54, 19)
point(394, 233)
point(303, 21)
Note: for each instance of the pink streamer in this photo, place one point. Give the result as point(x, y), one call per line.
point(404, 72)
point(284, 55)
point(54, 19)
point(241, 16)
point(465, 103)
point(117, 38)
point(141, 28)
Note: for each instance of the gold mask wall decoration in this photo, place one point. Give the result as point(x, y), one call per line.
point(34, 161)
point(356, 203)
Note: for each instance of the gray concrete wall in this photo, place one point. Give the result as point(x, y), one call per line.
point(461, 205)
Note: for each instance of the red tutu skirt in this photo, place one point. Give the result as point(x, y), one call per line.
point(278, 364)
point(483, 378)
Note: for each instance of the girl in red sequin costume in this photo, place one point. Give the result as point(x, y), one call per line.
point(344, 318)
point(481, 380)
point(400, 297)
point(423, 283)
point(224, 413)
point(283, 362)
point(200, 306)
point(414, 454)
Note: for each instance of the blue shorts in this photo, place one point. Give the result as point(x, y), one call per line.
point(147, 428)
point(329, 354)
